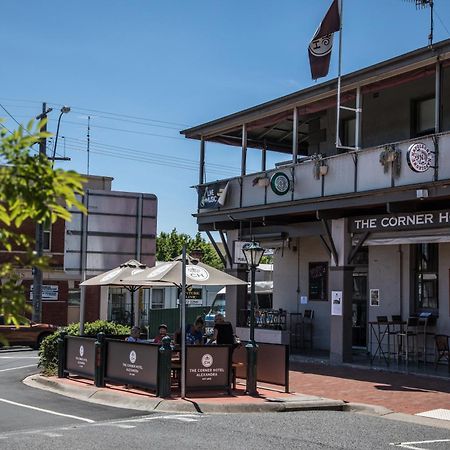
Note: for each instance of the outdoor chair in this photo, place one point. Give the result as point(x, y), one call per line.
point(406, 340)
point(382, 331)
point(395, 326)
point(442, 349)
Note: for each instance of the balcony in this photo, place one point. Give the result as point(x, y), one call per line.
point(315, 179)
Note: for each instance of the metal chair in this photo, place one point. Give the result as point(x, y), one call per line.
point(442, 349)
point(406, 340)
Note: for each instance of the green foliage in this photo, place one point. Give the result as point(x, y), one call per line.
point(48, 351)
point(170, 245)
point(30, 189)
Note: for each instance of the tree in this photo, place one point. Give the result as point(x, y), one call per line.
point(30, 190)
point(170, 245)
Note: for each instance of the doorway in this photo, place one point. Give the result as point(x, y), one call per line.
point(359, 299)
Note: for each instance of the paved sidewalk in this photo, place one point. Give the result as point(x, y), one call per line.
point(399, 392)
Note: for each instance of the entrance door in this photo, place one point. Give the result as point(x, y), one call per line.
point(359, 309)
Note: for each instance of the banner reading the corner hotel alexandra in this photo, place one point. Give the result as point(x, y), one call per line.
point(133, 363)
point(207, 367)
point(400, 221)
point(80, 355)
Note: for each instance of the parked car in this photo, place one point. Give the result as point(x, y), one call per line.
point(28, 334)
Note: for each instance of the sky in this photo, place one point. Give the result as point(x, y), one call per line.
point(145, 69)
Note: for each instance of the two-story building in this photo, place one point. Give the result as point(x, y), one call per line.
point(362, 228)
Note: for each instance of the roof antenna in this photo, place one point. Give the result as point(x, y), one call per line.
point(422, 4)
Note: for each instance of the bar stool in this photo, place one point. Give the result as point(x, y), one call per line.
point(406, 340)
point(395, 327)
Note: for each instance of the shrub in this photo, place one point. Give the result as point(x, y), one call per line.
point(48, 352)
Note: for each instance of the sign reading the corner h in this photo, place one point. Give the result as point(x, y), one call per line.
point(400, 221)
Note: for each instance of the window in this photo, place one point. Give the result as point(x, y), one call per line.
point(157, 298)
point(426, 263)
point(47, 236)
point(73, 297)
point(423, 117)
point(318, 281)
point(348, 132)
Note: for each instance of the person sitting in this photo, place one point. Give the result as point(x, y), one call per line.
point(194, 333)
point(223, 331)
point(162, 329)
point(134, 335)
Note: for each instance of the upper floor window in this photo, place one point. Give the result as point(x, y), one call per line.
point(47, 236)
point(423, 117)
point(348, 132)
point(157, 298)
point(426, 264)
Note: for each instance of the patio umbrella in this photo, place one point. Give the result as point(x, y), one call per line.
point(114, 277)
point(197, 273)
point(181, 272)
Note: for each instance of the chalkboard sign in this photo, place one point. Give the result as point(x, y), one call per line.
point(318, 280)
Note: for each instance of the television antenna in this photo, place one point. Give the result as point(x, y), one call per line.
point(422, 4)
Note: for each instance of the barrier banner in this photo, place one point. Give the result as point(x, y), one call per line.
point(80, 356)
point(132, 363)
point(208, 367)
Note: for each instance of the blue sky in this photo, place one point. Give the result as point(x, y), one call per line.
point(145, 69)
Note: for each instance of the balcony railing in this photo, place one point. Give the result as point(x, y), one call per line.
point(352, 172)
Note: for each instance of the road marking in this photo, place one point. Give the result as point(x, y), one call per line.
point(52, 434)
point(83, 419)
point(16, 368)
point(19, 357)
point(412, 445)
point(122, 425)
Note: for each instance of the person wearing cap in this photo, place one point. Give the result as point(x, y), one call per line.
point(162, 333)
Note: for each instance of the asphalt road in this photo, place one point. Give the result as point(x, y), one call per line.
point(61, 422)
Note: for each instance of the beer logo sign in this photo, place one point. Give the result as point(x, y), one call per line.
point(207, 360)
point(419, 157)
point(133, 357)
point(280, 184)
point(81, 350)
point(321, 46)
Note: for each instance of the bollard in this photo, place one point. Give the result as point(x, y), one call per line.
point(99, 377)
point(164, 368)
point(62, 354)
point(252, 355)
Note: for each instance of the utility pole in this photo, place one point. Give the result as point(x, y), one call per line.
point(37, 272)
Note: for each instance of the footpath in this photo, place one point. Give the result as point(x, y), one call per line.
point(313, 386)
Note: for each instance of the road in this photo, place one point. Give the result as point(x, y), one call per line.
point(36, 419)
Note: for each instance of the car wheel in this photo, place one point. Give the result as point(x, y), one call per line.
point(39, 341)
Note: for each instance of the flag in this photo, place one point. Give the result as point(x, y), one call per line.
point(322, 42)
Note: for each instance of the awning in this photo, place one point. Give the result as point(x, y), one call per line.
point(410, 237)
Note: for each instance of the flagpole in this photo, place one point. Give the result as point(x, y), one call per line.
point(338, 101)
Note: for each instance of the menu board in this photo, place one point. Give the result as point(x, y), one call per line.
point(318, 280)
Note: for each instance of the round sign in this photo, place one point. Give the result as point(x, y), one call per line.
point(280, 184)
point(132, 357)
point(419, 157)
point(196, 273)
point(321, 46)
point(81, 350)
point(207, 360)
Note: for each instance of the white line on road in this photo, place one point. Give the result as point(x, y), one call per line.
point(15, 368)
point(412, 445)
point(46, 411)
point(19, 357)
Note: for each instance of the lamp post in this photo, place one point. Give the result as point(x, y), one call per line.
point(64, 110)
point(253, 254)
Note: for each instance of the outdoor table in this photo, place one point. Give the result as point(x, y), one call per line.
point(382, 331)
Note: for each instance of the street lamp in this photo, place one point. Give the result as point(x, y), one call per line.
point(64, 110)
point(253, 254)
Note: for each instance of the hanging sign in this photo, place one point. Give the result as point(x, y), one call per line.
point(214, 195)
point(280, 183)
point(419, 157)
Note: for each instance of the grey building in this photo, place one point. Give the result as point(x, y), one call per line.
point(360, 229)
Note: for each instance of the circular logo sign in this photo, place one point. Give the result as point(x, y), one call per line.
point(280, 184)
point(132, 357)
point(419, 157)
point(207, 360)
point(81, 350)
point(321, 46)
point(196, 273)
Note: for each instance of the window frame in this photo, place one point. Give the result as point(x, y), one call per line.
point(415, 132)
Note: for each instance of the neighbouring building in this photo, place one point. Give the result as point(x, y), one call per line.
point(119, 226)
point(360, 229)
